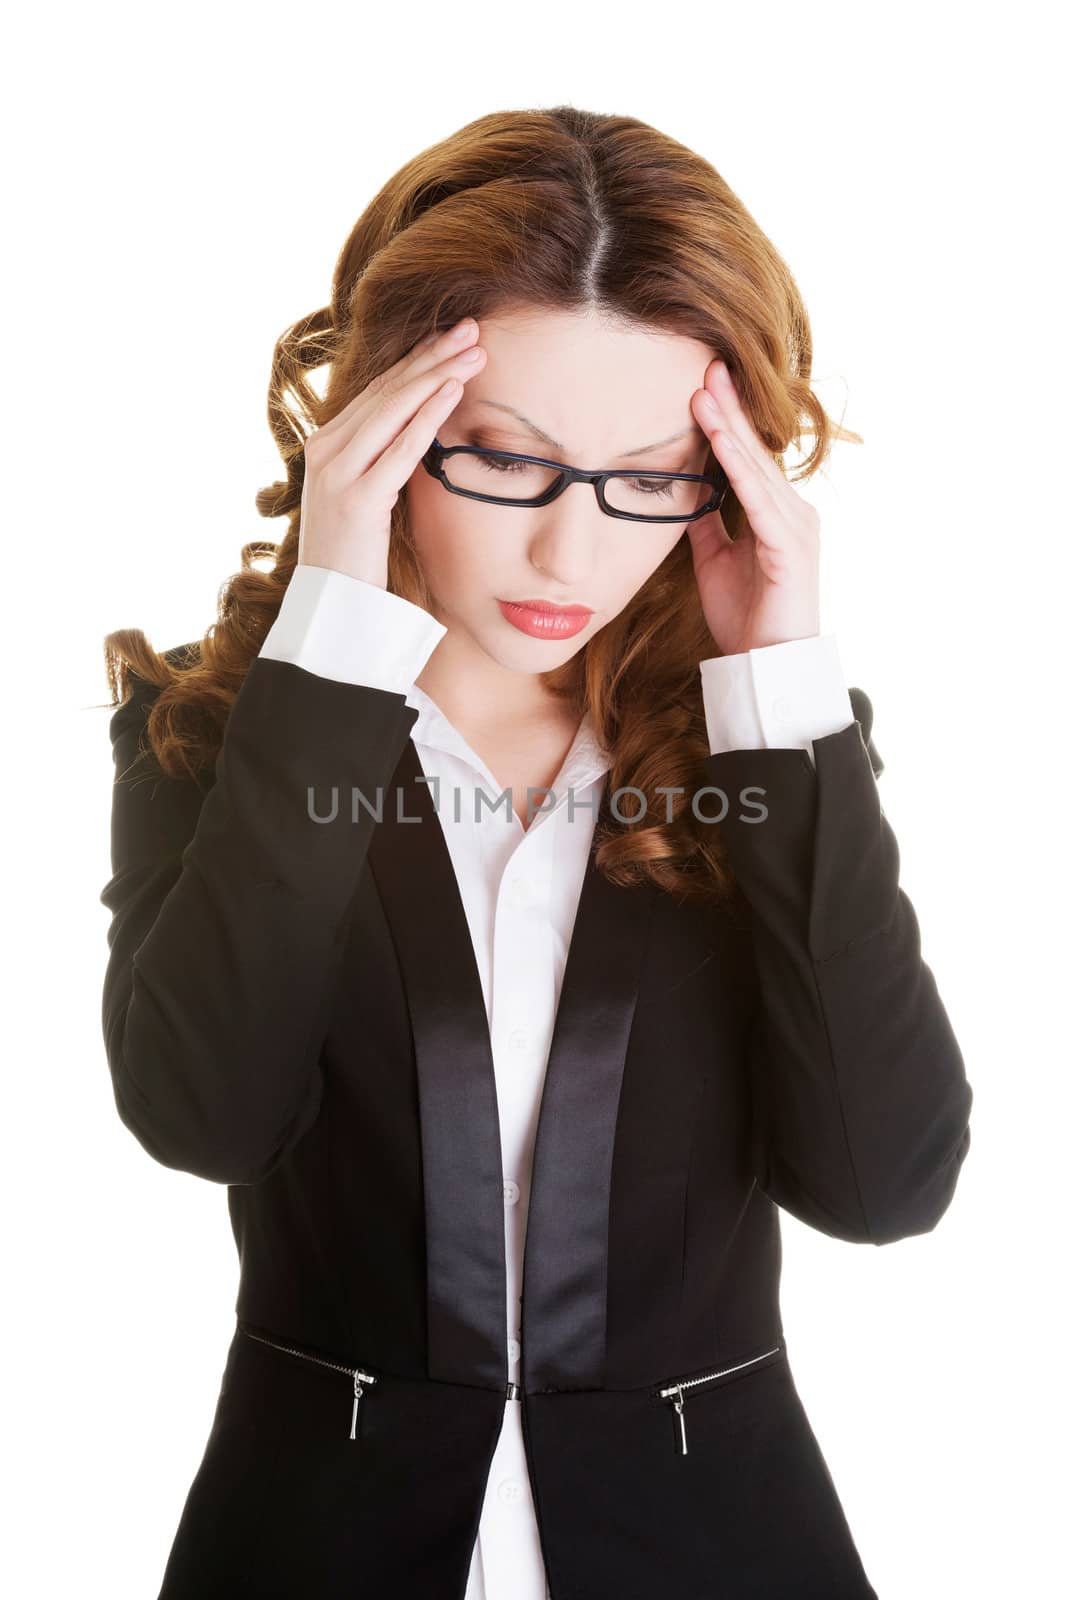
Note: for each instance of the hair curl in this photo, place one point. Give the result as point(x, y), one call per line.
point(558, 209)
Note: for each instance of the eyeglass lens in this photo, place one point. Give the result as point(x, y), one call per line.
point(524, 480)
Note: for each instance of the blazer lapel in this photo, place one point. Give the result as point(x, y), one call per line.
point(461, 1142)
point(566, 1249)
point(565, 1267)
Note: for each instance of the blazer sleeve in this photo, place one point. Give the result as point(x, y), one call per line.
point(229, 915)
point(861, 1102)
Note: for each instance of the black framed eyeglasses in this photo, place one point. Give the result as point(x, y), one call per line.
point(522, 480)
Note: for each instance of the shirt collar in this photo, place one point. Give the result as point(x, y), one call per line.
point(586, 759)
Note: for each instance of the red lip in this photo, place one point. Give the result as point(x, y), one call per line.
point(542, 620)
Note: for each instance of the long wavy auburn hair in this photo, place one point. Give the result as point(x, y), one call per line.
point(557, 209)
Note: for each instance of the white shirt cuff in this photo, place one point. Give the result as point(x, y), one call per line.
point(780, 696)
point(340, 627)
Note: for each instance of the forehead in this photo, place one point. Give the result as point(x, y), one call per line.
point(598, 387)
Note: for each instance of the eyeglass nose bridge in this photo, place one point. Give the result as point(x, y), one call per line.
point(570, 475)
point(433, 461)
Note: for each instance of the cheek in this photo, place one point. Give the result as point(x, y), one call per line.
point(632, 563)
point(454, 553)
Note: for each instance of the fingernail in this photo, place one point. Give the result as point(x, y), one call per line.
point(706, 402)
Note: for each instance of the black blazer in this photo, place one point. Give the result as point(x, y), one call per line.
point(293, 1009)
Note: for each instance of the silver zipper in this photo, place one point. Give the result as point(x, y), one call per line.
point(357, 1374)
point(674, 1391)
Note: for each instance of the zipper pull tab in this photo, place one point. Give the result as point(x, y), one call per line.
point(677, 1403)
point(357, 1391)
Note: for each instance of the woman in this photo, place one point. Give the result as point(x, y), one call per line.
point(439, 839)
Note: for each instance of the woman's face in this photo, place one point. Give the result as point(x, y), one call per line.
point(602, 394)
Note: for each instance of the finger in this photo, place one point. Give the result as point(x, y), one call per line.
point(714, 421)
point(432, 347)
point(719, 384)
point(431, 351)
point(384, 408)
point(756, 494)
point(402, 454)
point(391, 410)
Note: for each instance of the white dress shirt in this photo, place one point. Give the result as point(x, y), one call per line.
point(520, 890)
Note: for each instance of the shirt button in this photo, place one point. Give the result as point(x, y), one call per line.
point(510, 1491)
point(511, 1192)
point(517, 1039)
point(513, 1349)
point(520, 891)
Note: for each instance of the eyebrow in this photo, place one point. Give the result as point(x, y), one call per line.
point(639, 450)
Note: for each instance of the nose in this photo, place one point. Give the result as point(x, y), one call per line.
point(565, 537)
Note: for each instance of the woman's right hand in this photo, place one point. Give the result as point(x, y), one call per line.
point(356, 464)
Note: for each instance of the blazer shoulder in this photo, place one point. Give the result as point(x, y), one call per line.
point(141, 692)
point(184, 655)
point(129, 719)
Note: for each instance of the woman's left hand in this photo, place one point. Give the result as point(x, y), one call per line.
point(762, 590)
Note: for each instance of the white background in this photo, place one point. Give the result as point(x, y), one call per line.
point(179, 185)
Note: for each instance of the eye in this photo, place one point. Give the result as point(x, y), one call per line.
point(494, 463)
point(662, 488)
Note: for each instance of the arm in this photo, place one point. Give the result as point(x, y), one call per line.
point(860, 1097)
point(230, 909)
